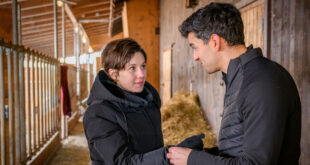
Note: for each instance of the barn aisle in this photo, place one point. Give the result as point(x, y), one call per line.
point(74, 150)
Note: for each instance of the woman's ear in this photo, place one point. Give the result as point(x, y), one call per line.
point(113, 73)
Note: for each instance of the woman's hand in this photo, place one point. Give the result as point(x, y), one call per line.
point(178, 155)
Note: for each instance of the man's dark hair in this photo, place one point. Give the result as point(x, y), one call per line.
point(215, 18)
point(118, 53)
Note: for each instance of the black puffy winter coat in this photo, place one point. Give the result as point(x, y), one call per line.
point(261, 123)
point(123, 127)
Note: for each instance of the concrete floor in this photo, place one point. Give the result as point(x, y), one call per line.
point(74, 150)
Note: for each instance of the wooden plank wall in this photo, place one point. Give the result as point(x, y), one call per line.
point(288, 43)
point(143, 18)
point(253, 20)
point(186, 73)
point(290, 46)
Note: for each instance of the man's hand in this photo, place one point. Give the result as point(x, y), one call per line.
point(178, 155)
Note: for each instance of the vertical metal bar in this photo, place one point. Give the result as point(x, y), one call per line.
point(43, 99)
point(46, 98)
point(55, 30)
point(16, 106)
point(53, 97)
point(33, 108)
point(23, 155)
point(2, 122)
point(37, 114)
point(49, 95)
point(19, 27)
point(40, 99)
point(63, 32)
point(14, 22)
point(10, 92)
point(28, 112)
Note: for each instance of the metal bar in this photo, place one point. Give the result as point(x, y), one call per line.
point(19, 28)
point(46, 99)
point(43, 99)
point(40, 99)
point(53, 97)
point(23, 156)
point(55, 30)
point(28, 112)
point(63, 32)
point(10, 93)
point(2, 119)
point(37, 113)
point(33, 108)
point(49, 96)
point(14, 22)
point(16, 106)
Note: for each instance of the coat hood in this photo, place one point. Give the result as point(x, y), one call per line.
point(104, 89)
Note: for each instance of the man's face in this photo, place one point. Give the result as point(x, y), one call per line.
point(205, 53)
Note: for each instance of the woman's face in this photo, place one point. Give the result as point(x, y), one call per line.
point(132, 77)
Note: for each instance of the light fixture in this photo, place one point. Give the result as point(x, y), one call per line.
point(90, 50)
point(84, 39)
point(76, 29)
point(60, 3)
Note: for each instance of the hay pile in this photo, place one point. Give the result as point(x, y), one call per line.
point(182, 117)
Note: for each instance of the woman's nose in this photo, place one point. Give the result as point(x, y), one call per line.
point(141, 73)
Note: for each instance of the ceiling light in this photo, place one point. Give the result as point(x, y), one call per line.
point(59, 3)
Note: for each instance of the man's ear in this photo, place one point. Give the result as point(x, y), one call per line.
point(216, 41)
point(113, 73)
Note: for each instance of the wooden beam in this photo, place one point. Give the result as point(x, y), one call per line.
point(48, 34)
point(40, 30)
point(39, 27)
point(92, 4)
point(92, 9)
point(25, 8)
point(38, 24)
point(48, 13)
point(243, 3)
point(37, 11)
point(10, 2)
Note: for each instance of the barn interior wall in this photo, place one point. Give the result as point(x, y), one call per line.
point(289, 46)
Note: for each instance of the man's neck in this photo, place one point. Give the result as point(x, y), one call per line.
point(231, 52)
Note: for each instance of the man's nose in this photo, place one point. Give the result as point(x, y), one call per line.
point(196, 57)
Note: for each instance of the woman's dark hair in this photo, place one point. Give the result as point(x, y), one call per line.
point(216, 18)
point(118, 53)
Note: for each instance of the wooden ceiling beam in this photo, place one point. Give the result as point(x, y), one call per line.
point(41, 30)
point(48, 34)
point(48, 13)
point(37, 11)
point(89, 12)
point(25, 8)
point(88, 9)
point(92, 4)
point(38, 27)
point(49, 22)
point(33, 3)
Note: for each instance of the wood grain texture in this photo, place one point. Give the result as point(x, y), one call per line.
point(288, 44)
point(143, 18)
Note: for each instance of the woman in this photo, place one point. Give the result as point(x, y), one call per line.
point(123, 122)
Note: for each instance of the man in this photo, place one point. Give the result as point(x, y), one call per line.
point(261, 121)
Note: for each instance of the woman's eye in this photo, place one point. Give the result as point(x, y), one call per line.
point(132, 68)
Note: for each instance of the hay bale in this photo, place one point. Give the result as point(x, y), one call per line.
point(182, 117)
